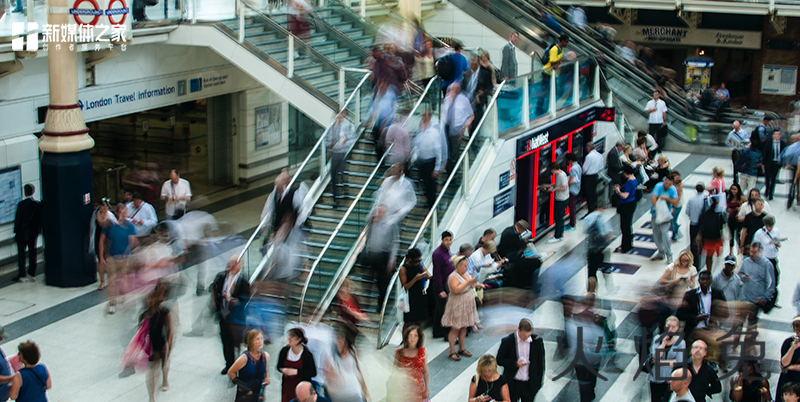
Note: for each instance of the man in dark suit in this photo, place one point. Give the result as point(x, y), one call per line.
point(27, 227)
point(771, 153)
point(614, 164)
point(229, 294)
point(695, 309)
point(522, 356)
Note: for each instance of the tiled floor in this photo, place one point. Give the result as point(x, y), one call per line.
point(83, 349)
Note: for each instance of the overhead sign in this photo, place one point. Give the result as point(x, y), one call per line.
point(690, 36)
point(778, 80)
point(100, 16)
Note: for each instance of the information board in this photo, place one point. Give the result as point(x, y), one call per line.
point(778, 80)
point(10, 193)
point(502, 202)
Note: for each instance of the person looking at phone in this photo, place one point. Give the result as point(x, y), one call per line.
point(672, 350)
point(790, 359)
point(488, 385)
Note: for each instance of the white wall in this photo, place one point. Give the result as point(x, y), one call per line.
point(22, 151)
point(249, 101)
point(450, 21)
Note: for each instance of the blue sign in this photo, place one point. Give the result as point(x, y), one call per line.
point(502, 202)
point(505, 179)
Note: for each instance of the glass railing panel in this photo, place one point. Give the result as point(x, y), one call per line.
point(539, 94)
point(509, 103)
point(587, 78)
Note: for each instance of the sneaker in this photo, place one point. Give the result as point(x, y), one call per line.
point(669, 260)
point(657, 256)
point(555, 240)
point(569, 228)
point(31, 278)
point(111, 309)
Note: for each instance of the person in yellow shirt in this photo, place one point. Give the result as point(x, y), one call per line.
point(556, 54)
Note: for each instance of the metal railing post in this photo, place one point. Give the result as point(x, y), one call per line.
point(240, 9)
point(494, 125)
point(31, 10)
point(194, 11)
point(621, 125)
point(341, 88)
point(610, 100)
point(434, 228)
point(290, 58)
point(576, 85)
point(526, 104)
point(553, 92)
point(596, 85)
point(358, 106)
point(323, 159)
point(465, 175)
point(182, 8)
point(363, 11)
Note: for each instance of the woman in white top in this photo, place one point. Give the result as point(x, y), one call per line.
point(423, 64)
point(681, 273)
point(343, 378)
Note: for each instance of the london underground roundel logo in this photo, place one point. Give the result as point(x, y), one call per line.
point(81, 14)
point(112, 12)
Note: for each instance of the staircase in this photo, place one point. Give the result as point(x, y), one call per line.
point(376, 10)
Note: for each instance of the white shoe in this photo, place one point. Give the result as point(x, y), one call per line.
point(111, 310)
point(555, 240)
point(669, 260)
point(657, 256)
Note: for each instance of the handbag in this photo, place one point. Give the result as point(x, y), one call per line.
point(402, 302)
point(137, 354)
point(663, 214)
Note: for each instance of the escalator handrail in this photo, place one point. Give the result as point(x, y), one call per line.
point(428, 217)
point(302, 166)
point(348, 261)
point(336, 231)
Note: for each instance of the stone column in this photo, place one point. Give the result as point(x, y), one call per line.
point(66, 169)
point(411, 8)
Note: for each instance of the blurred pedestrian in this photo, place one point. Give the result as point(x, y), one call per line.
point(397, 194)
point(423, 65)
point(344, 380)
point(160, 331)
point(101, 218)
point(382, 111)
point(120, 238)
point(398, 137)
point(32, 381)
point(457, 117)
point(522, 356)
point(451, 67)
point(484, 88)
point(508, 68)
point(349, 309)
point(142, 215)
point(413, 278)
point(176, 192)
point(442, 268)
point(298, 24)
point(28, 225)
point(411, 361)
point(488, 385)
point(460, 312)
point(296, 363)
point(250, 371)
point(430, 155)
point(282, 201)
point(338, 141)
point(230, 292)
point(598, 236)
point(380, 250)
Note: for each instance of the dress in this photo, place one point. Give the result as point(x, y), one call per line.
point(34, 384)
point(788, 376)
point(418, 307)
point(253, 375)
point(460, 311)
point(290, 382)
point(493, 389)
point(415, 372)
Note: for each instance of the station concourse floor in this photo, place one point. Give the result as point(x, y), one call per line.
point(82, 346)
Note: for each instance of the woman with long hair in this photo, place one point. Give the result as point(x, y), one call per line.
point(681, 273)
point(296, 363)
point(101, 217)
point(249, 372)
point(411, 359)
point(735, 199)
point(488, 385)
point(343, 377)
point(160, 332)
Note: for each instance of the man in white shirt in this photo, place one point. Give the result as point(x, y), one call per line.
point(592, 165)
point(737, 139)
point(430, 161)
point(768, 237)
point(457, 116)
point(657, 121)
point(142, 215)
point(560, 188)
point(522, 355)
point(396, 194)
point(577, 17)
point(176, 192)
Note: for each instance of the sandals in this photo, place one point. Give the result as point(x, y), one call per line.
point(465, 353)
point(454, 356)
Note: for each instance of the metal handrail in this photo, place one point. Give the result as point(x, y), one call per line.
point(296, 175)
point(346, 265)
point(428, 217)
point(339, 227)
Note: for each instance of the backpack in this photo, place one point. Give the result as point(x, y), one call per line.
point(742, 163)
point(546, 56)
point(445, 68)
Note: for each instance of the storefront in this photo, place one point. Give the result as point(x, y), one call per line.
point(551, 144)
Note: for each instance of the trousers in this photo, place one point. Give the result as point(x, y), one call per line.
point(626, 212)
point(590, 191)
point(661, 237)
point(521, 391)
point(30, 246)
point(426, 168)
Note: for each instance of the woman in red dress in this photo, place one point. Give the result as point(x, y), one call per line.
point(411, 360)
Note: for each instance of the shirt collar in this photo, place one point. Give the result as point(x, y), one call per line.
point(516, 335)
point(700, 292)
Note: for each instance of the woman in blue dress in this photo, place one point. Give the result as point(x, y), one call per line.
point(33, 380)
point(249, 371)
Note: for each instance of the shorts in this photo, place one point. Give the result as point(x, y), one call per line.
point(712, 247)
point(594, 262)
point(116, 265)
